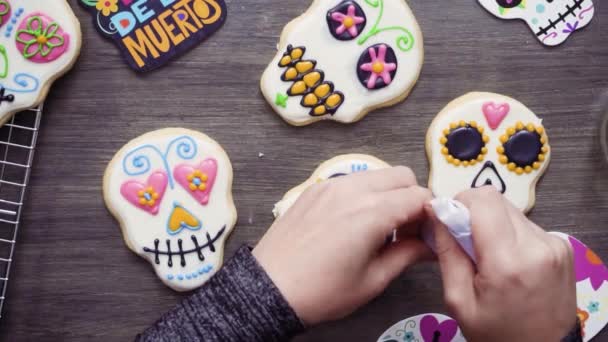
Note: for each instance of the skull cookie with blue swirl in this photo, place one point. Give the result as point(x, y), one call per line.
point(342, 59)
point(171, 192)
point(39, 41)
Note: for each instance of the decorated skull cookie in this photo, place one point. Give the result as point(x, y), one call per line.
point(551, 21)
point(39, 41)
point(171, 191)
point(343, 58)
point(150, 33)
point(335, 167)
point(487, 139)
point(424, 328)
point(591, 288)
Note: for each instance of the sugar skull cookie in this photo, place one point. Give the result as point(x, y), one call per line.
point(39, 41)
point(487, 139)
point(342, 59)
point(171, 192)
point(424, 328)
point(591, 288)
point(551, 21)
point(150, 33)
point(336, 167)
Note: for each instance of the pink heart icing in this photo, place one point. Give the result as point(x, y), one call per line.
point(132, 191)
point(191, 178)
point(495, 113)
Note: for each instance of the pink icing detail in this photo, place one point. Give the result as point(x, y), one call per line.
point(340, 17)
point(550, 36)
point(495, 113)
point(7, 17)
point(207, 167)
point(386, 70)
point(56, 51)
point(130, 189)
point(126, 2)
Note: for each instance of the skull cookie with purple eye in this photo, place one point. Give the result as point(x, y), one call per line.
point(551, 21)
point(171, 192)
point(487, 139)
point(342, 59)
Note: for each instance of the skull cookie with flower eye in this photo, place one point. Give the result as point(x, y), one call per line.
point(342, 59)
point(336, 167)
point(551, 21)
point(39, 41)
point(487, 139)
point(171, 191)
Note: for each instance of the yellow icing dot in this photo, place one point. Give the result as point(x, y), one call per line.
point(503, 159)
point(486, 139)
point(461, 123)
point(443, 140)
point(530, 127)
point(304, 66)
point(473, 124)
point(192, 187)
point(446, 131)
point(333, 100)
point(204, 177)
point(142, 201)
point(543, 140)
point(151, 202)
point(480, 129)
point(480, 157)
point(484, 150)
point(310, 100)
point(285, 61)
point(348, 22)
point(378, 67)
point(202, 187)
point(41, 39)
point(540, 130)
point(445, 151)
point(296, 53)
point(298, 88)
point(453, 125)
point(456, 162)
point(511, 166)
point(536, 165)
point(528, 169)
point(519, 125)
point(291, 74)
point(541, 157)
point(544, 149)
point(312, 79)
point(322, 90)
point(519, 171)
point(154, 195)
point(449, 158)
point(504, 139)
point(465, 163)
point(320, 110)
point(473, 162)
point(510, 131)
point(500, 150)
point(140, 193)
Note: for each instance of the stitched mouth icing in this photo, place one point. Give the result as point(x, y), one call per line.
point(570, 10)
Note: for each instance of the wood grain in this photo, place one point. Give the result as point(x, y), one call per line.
point(73, 278)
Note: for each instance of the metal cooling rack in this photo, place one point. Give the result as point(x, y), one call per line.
point(17, 144)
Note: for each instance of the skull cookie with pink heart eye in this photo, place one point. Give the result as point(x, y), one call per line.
point(342, 59)
point(39, 41)
point(487, 139)
point(171, 191)
point(551, 21)
point(424, 328)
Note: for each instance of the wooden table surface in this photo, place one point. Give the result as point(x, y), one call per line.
point(73, 277)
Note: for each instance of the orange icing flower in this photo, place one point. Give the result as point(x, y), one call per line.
point(583, 316)
point(148, 196)
point(198, 181)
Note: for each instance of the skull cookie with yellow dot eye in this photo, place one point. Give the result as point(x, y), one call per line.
point(39, 41)
point(487, 139)
point(336, 167)
point(342, 59)
point(171, 191)
point(551, 21)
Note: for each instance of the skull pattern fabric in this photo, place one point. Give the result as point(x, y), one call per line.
point(487, 139)
point(551, 21)
point(171, 191)
point(342, 59)
point(39, 41)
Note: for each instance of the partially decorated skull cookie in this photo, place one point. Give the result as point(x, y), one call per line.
point(39, 41)
point(336, 167)
point(551, 21)
point(424, 328)
point(171, 192)
point(342, 59)
point(487, 139)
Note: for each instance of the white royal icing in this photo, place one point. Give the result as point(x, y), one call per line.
point(337, 166)
point(338, 60)
point(173, 151)
point(26, 80)
point(552, 22)
point(426, 327)
point(447, 180)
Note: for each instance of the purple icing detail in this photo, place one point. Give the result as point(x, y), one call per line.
point(433, 331)
point(580, 15)
point(584, 268)
point(181, 16)
point(571, 28)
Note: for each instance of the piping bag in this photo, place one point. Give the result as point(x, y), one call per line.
point(456, 217)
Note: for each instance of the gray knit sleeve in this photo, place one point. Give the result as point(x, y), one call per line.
point(239, 303)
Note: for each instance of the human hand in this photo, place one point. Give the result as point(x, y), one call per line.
point(328, 255)
point(523, 287)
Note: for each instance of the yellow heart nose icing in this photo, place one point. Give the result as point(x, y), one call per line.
point(181, 218)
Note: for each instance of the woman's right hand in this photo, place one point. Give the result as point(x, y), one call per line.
point(523, 287)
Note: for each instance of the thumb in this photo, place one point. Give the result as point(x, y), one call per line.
point(457, 269)
point(398, 256)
